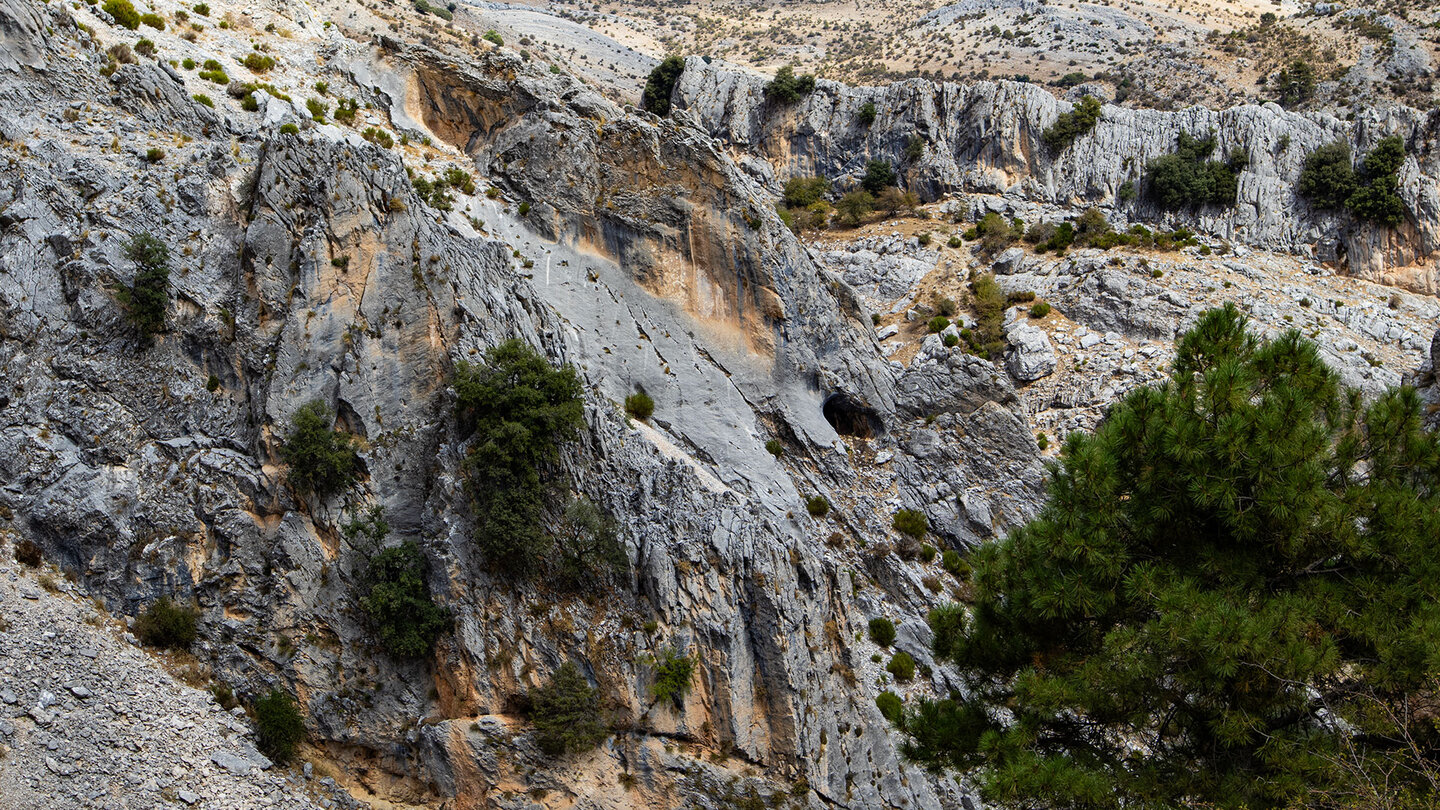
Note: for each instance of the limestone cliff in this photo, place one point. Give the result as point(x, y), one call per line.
point(986, 138)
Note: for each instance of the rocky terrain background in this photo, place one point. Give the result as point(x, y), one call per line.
point(646, 252)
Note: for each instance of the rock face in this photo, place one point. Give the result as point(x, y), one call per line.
point(1030, 355)
point(305, 267)
point(986, 138)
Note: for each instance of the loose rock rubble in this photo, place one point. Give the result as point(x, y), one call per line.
point(89, 720)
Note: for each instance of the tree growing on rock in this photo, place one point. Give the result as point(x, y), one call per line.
point(1071, 125)
point(566, 713)
point(661, 84)
point(322, 459)
point(787, 88)
point(145, 300)
point(519, 409)
point(1230, 599)
point(398, 604)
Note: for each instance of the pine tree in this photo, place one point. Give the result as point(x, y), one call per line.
point(1231, 599)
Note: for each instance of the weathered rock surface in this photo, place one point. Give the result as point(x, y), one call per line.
point(986, 138)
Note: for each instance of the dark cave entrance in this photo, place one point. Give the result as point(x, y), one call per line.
point(850, 418)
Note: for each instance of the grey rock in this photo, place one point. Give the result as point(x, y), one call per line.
point(1030, 355)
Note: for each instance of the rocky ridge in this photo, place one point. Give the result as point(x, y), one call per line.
point(985, 138)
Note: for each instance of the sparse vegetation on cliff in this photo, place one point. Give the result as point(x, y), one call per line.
point(322, 460)
point(660, 84)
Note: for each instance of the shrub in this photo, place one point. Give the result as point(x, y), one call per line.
point(914, 148)
point(289, 129)
point(154, 21)
point(927, 553)
point(566, 713)
point(588, 547)
point(902, 666)
point(787, 88)
point(817, 506)
point(1039, 309)
point(1073, 124)
point(249, 103)
point(946, 307)
point(661, 84)
point(882, 631)
point(120, 53)
point(950, 340)
point(640, 405)
point(493, 36)
point(397, 602)
point(322, 460)
point(154, 154)
point(523, 209)
point(853, 208)
point(201, 98)
point(258, 62)
point(318, 109)
point(27, 553)
point(520, 409)
point(458, 178)
point(124, 13)
point(938, 323)
point(803, 192)
point(278, 726)
point(167, 624)
point(954, 564)
point(866, 116)
point(145, 300)
point(673, 673)
point(911, 522)
point(1186, 178)
point(188, 63)
point(145, 48)
point(775, 448)
point(988, 337)
point(323, 88)
point(1377, 197)
point(1327, 179)
point(378, 136)
point(890, 706)
point(878, 175)
point(203, 9)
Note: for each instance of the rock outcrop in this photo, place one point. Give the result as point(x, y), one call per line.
point(986, 138)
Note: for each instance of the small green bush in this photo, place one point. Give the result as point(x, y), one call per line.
point(787, 88)
point(322, 460)
point(379, 137)
point(154, 154)
point(927, 553)
point(523, 209)
point(566, 713)
point(938, 323)
point(318, 109)
point(950, 340)
point(640, 405)
point(201, 98)
point(946, 307)
point(911, 522)
point(493, 36)
point(817, 506)
point(249, 103)
point(323, 88)
point(902, 666)
point(1187, 178)
point(278, 726)
point(673, 673)
point(866, 116)
point(954, 564)
point(145, 48)
point(879, 175)
point(289, 129)
point(167, 624)
point(154, 21)
point(890, 706)
point(258, 62)
point(882, 631)
point(397, 601)
point(854, 207)
point(1039, 309)
point(188, 63)
point(661, 84)
point(124, 13)
point(1073, 124)
point(775, 448)
point(203, 9)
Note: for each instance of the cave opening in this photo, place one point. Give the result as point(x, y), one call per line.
point(850, 418)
